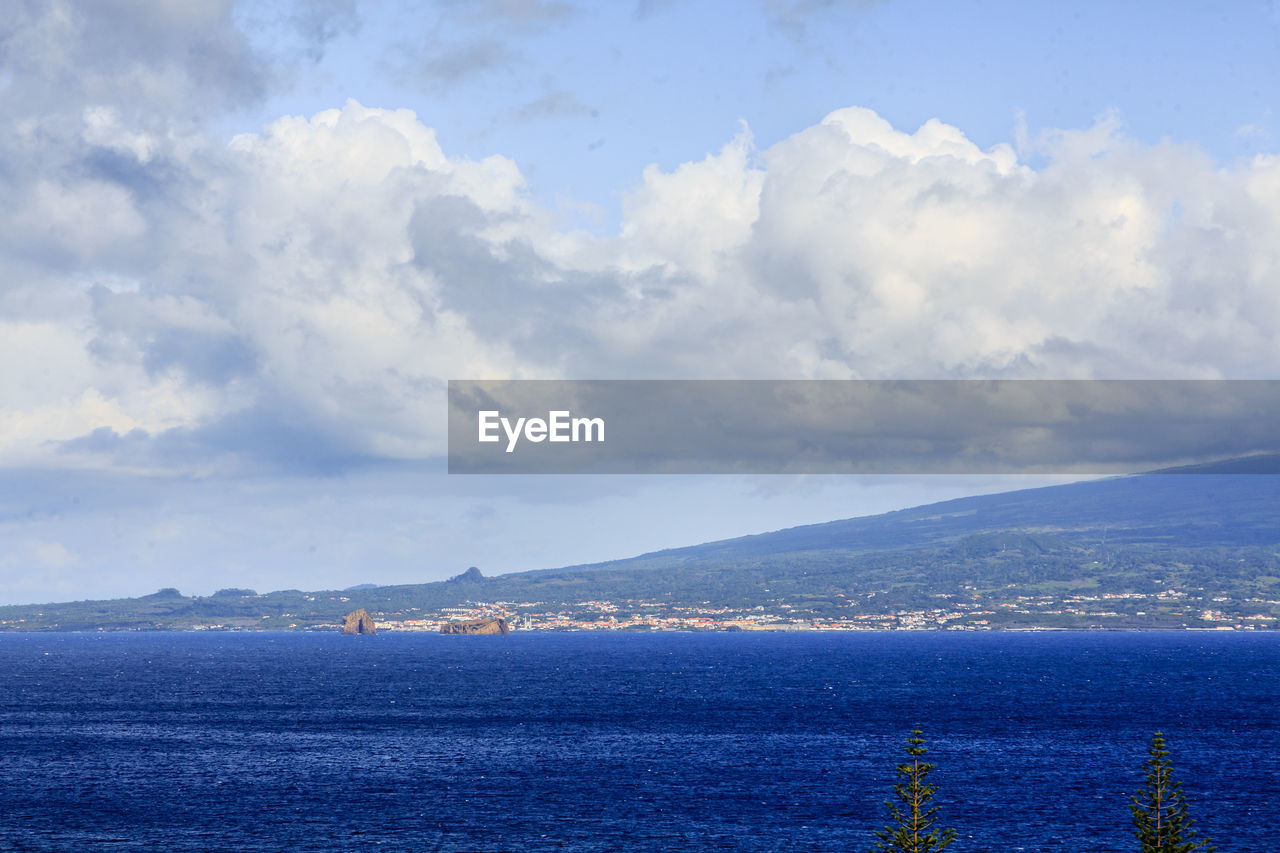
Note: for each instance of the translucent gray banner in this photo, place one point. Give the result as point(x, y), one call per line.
point(857, 427)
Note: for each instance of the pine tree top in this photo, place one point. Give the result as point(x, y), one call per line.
point(913, 819)
point(1161, 820)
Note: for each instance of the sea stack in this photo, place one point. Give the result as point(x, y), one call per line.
point(495, 625)
point(358, 622)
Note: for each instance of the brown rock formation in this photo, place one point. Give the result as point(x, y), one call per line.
point(358, 622)
point(496, 625)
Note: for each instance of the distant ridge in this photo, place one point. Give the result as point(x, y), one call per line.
point(1209, 501)
point(1210, 529)
point(1259, 463)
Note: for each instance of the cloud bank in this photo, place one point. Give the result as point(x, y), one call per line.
point(296, 298)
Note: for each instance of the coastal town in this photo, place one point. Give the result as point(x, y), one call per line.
point(1168, 608)
point(1007, 608)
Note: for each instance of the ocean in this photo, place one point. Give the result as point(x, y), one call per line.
point(623, 742)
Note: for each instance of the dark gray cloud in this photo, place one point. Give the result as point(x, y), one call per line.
point(559, 104)
point(133, 446)
point(648, 8)
point(459, 41)
point(186, 335)
point(104, 159)
point(507, 13)
point(797, 16)
point(320, 22)
point(271, 439)
point(446, 64)
point(153, 62)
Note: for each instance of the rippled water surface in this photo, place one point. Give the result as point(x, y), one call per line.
point(635, 742)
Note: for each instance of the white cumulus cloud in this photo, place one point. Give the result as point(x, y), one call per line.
point(298, 296)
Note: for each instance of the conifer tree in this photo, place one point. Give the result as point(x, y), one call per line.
point(1160, 818)
point(913, 818)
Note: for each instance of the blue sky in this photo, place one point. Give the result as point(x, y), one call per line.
point(246, 244)
point(585, 97)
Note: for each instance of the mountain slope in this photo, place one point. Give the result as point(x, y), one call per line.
point(1172, 509)
point(1212, 537)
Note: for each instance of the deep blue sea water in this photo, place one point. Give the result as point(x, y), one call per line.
point(634, 742)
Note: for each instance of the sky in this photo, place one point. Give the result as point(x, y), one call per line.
point(245, 245)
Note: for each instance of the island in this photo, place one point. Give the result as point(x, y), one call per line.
point(359, 622)
point(491, 625)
